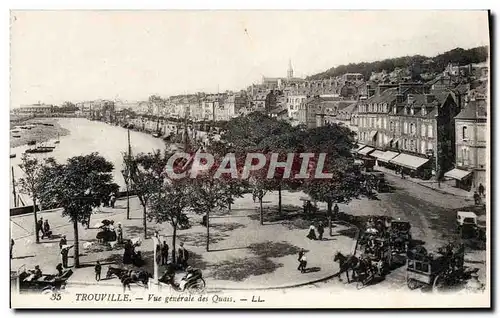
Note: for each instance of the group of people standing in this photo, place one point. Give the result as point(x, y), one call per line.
point(316, 233)
point(43, 227)
point(162, 254)
point(479, 193)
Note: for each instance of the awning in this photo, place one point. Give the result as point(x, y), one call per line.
point(377, 154)
point(373, 133)
point(358, 162)
point(457, 174)
point(365, 150)
point(409, 161)
point(388, 155)
point(358, 147)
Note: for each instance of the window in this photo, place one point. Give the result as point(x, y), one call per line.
point(385, 107)
point(394, 110)
point(412, 145)
point(412, 129)
point(465, 135)
point(405, 128)
point(391, 126)
point(412, 111)
point(430, 146)
point(423, 128)
point(405, 144)
point(430, 134)
point(424, 111)
point(422, 147)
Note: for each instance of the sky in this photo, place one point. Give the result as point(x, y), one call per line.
point(59, 56)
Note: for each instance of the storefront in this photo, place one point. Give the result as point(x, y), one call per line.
point(386, 158)
point(411, 165)
point(463, 178)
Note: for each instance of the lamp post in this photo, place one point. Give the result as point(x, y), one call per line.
point(126, 178)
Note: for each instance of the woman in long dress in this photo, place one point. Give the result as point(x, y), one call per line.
point(312, 233)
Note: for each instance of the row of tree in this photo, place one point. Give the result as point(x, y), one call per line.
point(79, 185)
point(417, 63)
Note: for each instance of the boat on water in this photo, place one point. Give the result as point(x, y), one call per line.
point(51, 125)
point(31, 143)
point(12, 155)
point(40, 149)
point(16, 136)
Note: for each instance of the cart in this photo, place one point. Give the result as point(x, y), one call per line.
point(400, 236)
point(46, 284)
point(436, 272)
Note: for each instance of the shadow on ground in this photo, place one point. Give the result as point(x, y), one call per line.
point(200, 239)
point(224, 227)
point(242, 268)
point(273, 249)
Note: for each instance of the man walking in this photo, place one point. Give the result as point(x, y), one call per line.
point(119, 233)
point(301, 253)
point(64, 256)
point(321, 230)
point(164, 253)
point(335, 211)
point(481, 189)
point(39, 226)
point(62, 242)
point(97, 269)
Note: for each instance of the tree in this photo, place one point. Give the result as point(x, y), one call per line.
point(170, 203)
point(145, 171)
point(77, 186)
point(30, 183)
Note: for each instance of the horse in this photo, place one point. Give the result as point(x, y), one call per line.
point(357, 265)
point(127, 277)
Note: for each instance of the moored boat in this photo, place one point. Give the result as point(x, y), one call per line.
point(40, 149)
point(12, 155)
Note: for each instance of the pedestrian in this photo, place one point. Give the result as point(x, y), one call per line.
point(402, 173)
point(64, 256)
point(119, 233)
point(481, 189)
point(112, 200)
point(254, 195)
point(312, 233)
point(11, 247)
point(39, 226)
point(303, 263)
point(164, 253)
point(321, 230)
point(335, 211)
point(183, 256)
point(97, 270)
point(46, 230)
point(301, 253)
point(62, 242)
point(477, 198)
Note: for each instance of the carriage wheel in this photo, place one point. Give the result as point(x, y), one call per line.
point(197, 287)
point(413, 284)
point(47, 291)
point(439, 283)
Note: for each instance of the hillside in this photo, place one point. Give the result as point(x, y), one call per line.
point(417, 63)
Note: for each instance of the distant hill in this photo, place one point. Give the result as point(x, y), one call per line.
point(417, 63)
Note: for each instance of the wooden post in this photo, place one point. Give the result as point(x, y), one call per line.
point(14, 187)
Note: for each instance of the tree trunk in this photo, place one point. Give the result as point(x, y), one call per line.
point(144, 221)
point(77, 250)
point(279, 198)
point(128, 203)
point(329, 213)
point(261, 212)
point(208, 231)
point(174, 235)
point(37, 238)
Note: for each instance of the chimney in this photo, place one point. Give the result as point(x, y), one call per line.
point(429, 98)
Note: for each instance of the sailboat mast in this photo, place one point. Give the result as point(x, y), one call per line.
point(14, 187)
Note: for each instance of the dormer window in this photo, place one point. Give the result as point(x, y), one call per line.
point(394, 109)
point(412, 111)
point(406, 110)
point(424, 111)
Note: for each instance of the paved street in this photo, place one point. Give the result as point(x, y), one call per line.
point(244, 254)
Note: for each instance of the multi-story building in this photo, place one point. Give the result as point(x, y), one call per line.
point(293, 103)
point(410, 121)
point(471, 154)
point(35, 109)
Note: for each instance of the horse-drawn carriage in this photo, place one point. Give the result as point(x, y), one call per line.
point(469, 229)
point(399, 236)
point(26, 281)
point(436, 271)
point(107, 232)
point(192, 282)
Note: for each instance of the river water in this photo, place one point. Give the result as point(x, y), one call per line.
point(90, 136)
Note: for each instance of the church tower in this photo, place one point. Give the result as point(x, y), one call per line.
point(290, 70)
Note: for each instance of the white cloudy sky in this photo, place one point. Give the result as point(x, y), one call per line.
point(79, 55)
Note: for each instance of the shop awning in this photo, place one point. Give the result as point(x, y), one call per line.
point(357, 148)
point(377, 154)
point(409, 161)
point(457, 174)
point(373, 133)
point(366, 150)
point(388, 155)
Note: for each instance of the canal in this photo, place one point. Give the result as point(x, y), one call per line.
point(90, 136)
